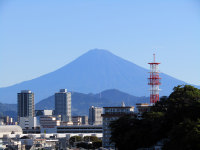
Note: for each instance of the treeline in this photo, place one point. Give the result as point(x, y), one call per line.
point(173, 123)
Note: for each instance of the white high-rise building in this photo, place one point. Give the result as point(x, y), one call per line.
point(95, 115)
point(63, 105)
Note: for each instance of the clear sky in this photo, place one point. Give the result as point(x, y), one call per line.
point(40, 36)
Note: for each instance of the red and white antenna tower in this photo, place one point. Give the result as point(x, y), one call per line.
point(154, 81)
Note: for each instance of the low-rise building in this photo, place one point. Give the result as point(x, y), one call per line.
point(6, 130)
point(6, 120)
point(28, 122)
point(80, 129)
point(142, 107)
point(39, 143)
point(77, 120)
point(80, 120)
point(48, 124)
point(43, 112)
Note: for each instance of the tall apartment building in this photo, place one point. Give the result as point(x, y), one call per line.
point(25, 104)
point(95, 117)
point(110, 114)
point(63, 105)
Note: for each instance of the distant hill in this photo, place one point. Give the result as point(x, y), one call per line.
point(95, 71)
point(81, 102)
point(8, 110)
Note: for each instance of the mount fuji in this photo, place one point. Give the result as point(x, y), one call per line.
point(93, 72)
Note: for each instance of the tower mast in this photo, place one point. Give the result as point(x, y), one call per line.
point(154, 81)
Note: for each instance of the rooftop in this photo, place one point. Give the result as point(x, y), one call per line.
point(10, 128)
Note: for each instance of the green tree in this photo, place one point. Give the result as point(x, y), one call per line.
point(184, 136)
point(174, 118)
point(91, 138)
point(74, 139)
point(95, 142)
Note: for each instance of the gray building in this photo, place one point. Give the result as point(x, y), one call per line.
point(95, 115)
point(25, 104)
point(63, 105)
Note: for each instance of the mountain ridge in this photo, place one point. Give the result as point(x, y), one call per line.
point(81, 102)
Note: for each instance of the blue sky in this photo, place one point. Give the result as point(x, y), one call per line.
point(37, 37)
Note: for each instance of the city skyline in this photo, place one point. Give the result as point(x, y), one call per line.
point(99, 74)
point(40, 37)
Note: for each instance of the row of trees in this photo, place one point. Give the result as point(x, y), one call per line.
point(174, 121)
